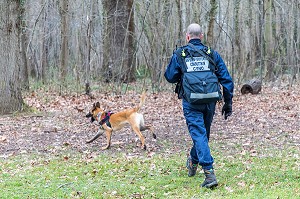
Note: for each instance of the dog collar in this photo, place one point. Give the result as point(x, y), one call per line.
point(99, 116)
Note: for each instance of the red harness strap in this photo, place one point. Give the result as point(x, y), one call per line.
point(105, 118)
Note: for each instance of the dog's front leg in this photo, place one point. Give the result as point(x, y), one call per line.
point(108, 138)
point(100, 132)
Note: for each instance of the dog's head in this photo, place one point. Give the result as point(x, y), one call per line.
point(95, 112)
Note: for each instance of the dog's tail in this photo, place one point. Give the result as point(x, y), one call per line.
point(142, 101)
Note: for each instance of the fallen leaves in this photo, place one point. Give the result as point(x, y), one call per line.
point(3, 138)
point(269, 119)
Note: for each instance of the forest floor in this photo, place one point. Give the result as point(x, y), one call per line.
point(261, 124)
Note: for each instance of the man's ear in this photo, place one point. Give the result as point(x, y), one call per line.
point(201, 36)
point(187, 37)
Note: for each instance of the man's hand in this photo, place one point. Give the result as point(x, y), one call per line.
point(227, 110)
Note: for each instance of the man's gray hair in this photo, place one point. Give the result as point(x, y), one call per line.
point(194, 30)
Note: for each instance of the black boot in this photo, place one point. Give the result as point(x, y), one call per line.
point(210, 179)
point(191, 167)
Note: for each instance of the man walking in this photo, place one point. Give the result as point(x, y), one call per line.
point(198, 71)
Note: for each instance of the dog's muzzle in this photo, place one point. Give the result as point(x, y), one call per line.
point(91, 116)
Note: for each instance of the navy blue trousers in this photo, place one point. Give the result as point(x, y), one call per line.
point(198, 119)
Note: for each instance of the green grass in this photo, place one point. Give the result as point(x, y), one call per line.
point(77, 176)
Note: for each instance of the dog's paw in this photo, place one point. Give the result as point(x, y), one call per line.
point(105, 147)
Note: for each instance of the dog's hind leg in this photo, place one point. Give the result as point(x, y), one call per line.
point(136, 129)
point(143, 128)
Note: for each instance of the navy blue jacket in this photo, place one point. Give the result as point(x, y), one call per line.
point(173, 72)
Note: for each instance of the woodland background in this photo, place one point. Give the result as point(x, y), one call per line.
point(58, 57)
point(87, 44)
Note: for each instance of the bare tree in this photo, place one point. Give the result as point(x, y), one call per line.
point(212, 16)
point(118, 39)
point(64, 8)
point(45, 43)
point(119, 53)
point(268, 42)
point(10, 98)
point(24, 77)
point(237, 38)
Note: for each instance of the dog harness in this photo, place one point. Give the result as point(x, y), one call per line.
point(104, 118)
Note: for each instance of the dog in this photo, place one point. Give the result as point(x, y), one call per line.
point(110, 122)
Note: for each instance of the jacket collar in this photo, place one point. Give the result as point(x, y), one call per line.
point(196, 42)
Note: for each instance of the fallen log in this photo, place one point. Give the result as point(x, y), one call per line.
point(253, 87)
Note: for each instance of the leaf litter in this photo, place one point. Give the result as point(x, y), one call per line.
point(267, 120)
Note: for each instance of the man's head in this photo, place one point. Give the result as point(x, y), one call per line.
point(194, 32)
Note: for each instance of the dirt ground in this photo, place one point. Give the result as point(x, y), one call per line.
point(58, 124)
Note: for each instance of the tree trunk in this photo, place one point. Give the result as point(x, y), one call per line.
point(88, 61)
point(237, 41)
point(45, 45)
point(297, 38)
point(181, 7)
point(119, 45)
point(261, 28)
point(269, 47)
point(23, 39)
point(10, 98)
point(64, 39)
point(212, 16)
point(130, 65)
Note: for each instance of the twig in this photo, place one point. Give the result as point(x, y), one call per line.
point(63, 185)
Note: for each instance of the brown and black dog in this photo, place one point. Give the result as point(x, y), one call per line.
point(110, 122)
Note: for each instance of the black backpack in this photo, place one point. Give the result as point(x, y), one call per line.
point(199, 83)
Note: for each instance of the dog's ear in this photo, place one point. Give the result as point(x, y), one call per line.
point(97, 105)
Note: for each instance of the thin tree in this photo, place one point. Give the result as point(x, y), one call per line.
point(212, 16)
point(23, 38)
point(269, 45)
point(64, 6)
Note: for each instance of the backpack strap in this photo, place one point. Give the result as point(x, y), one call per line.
point(181, 54)
point(204, 54)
